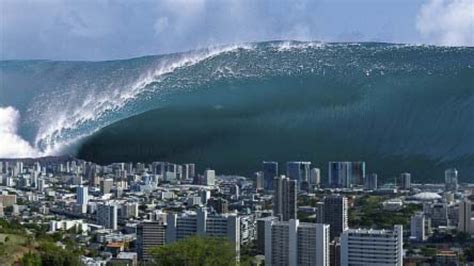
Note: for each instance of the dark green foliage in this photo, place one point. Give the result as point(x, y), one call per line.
point(370, 214)
point(56, 256)
point(196, 251)
point(30, 259)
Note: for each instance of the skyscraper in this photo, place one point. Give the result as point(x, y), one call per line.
point(210, 177)
point(372, 247)
point(259, 181)
point(465, 216)
point(315, 176)
point(293, 243)
point(149, 235)
point(346, 174)
point(405, 181)
point(298, 171)
point(334, 213)
point(82, 194)
point(284, 198)
point(371, 182)
point(339, 174)
point(358, 172)
point(451, 179)
point(270, 171)
point(82, 198)
point(188, 171)
point(106, 185)
point(417, 227)
point(107, 215)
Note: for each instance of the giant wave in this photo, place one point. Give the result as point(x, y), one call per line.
point(399, 107)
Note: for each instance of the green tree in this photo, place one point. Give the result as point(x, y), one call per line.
point(196, 251)
point(56, 256)
point(30, 259)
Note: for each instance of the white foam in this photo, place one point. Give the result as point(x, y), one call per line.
point(51, 137)
point(291, 45)
point(11, 144)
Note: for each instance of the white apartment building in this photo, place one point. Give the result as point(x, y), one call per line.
point(367, 247)
point(293, 243)
point(186, 224)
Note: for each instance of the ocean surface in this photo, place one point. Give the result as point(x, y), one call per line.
point(400, 108)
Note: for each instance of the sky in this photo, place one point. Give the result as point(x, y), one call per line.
point(106, 29)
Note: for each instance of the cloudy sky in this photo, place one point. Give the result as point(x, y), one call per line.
point(107, 29)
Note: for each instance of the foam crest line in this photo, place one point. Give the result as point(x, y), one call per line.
point(53, 136)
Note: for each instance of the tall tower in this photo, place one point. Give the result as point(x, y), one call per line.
point(284, 198)
point(417, 227)
point(270, 171)
point(335, 214)
point(405, 181)
point(451, 179)
point(107, 216)
point(298, 171)
point(465, 214)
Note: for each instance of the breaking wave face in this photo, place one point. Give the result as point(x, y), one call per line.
point(395, 106)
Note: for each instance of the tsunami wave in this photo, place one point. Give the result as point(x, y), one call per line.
point(64, 114)
point(232, 106)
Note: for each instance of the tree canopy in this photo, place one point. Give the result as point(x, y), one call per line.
point(196, 251)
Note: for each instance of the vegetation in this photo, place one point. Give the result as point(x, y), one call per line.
point(30, 245)
point(469, 253)
point(368, 212)
point(196, 251)
point(429, 251)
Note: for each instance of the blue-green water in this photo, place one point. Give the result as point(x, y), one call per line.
point(398, 107)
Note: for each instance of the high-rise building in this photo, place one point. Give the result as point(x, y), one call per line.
point(451, 179)
point(418, 227)
point(405, 181)
point(298, 171)
point(210, 177)
point(82, 195)
point(180, 226)
point(129, 209)
point(270, 171)
point(371, 182)
point(346, 174)
point(358, 172)
point(261, 232)
point(339, 174)
point(82, 198)
point(259, 181)
point(106, 185)
point(188, 171)
point(107, 215)
point(438, 213)
point(372, 247)
point(315, 176)
point(293, 243)
point(171, 172)
point(465, 217)
point(219, 205)
point(149, 235)
point(284, 198)
point(333, 211)
point(41, 184)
